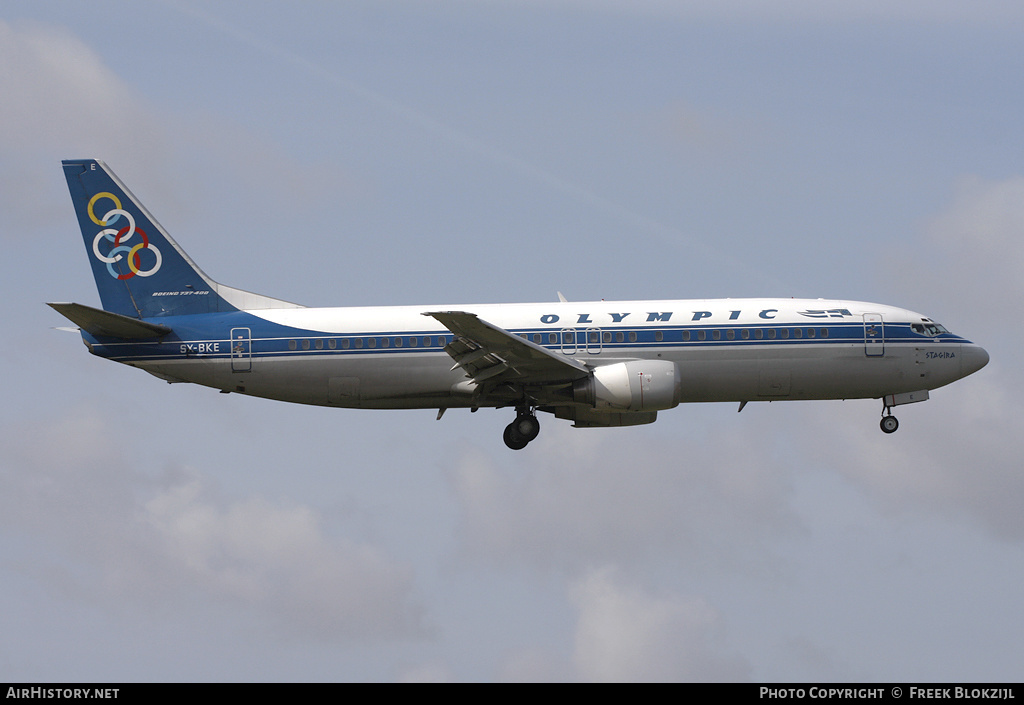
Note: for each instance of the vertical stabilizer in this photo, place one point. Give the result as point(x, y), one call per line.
point(139, 270)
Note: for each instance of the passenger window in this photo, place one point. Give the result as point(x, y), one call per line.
point(536, 338)
point(332, 344)
point(810, 332)
point(371, 342)
point(716, 334)
point(305, 345)
point(632, 336)
point(291, 345)
point(824, 332)
point(798, 332)
point(385, 342)
point(686, 336)
point(427, 341)
point(785, 332)
point(745, 333)
point(659, 336)
point(346, 343)
point(771, 334)
point(730, 334)
point(320, 344)
point(607, 336)
point(552, 338)
point(413, 342)
point(620, 337)
point(359, 342)
point(759, 333)
point(702, 335)
point(398, 342)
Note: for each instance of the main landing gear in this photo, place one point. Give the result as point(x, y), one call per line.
point(523, 430)
point(888, 424)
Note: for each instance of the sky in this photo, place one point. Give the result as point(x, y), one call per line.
point(364, 153)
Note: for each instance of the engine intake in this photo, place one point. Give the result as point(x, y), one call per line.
point(637, 385)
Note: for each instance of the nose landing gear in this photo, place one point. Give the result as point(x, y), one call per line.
point(889, 424)
point(523, 430)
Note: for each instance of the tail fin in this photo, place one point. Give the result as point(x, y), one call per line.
point(139, 270)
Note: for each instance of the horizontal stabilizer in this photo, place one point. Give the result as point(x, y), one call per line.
point(112, 325)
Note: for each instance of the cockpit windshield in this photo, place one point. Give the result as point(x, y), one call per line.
point(929, 328)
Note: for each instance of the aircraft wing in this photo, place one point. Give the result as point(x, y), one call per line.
point(491, 354)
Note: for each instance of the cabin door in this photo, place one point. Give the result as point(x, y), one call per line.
point(241, 350)
point(874, 335)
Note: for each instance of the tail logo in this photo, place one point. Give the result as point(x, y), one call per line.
point(117, 239)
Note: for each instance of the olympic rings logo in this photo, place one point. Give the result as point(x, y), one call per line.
point(118, 239)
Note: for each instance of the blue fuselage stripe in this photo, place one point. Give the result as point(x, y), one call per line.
point(267, 339)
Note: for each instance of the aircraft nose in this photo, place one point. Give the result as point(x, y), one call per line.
point(972, 359)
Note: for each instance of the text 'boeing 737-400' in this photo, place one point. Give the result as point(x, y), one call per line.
point(601, 363)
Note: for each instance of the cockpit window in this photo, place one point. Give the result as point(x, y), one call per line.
point(929, 328)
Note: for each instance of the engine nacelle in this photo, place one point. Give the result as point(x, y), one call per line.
point(637, 385)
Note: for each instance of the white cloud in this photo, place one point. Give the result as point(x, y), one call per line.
point(61, 100)
point(582, 498)
point(978, 239)
point(121, 534)
point(277, 558)
point(964, 455)
point(955, 456)
point(625, 633)
point(58, 92)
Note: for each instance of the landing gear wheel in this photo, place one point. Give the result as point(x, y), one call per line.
point(523, 430)
point(889, 424)
point(514, 439)
point(527, 426)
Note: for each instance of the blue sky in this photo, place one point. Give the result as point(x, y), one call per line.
point(432, 153)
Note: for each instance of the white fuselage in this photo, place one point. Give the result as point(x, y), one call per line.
point(726, 350)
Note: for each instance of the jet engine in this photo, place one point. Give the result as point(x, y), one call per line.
point(637, 385)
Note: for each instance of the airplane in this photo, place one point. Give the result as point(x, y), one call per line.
point(597, 363)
